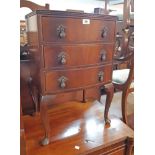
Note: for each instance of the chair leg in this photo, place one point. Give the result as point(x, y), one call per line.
point(109, 89)
point(124, 105)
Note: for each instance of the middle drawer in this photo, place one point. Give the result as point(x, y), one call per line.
point(60, 56)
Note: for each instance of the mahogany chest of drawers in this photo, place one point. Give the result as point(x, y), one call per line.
point(69, 52)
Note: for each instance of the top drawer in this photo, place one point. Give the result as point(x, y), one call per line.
point(55, 29)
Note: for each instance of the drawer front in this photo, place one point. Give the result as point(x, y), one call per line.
point(77, 55)
point(74, 79)
point(77, 30)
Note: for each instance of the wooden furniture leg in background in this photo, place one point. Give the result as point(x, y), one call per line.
point(22, 134)
point(109, 89)
point(124, 106)
point(84, 96)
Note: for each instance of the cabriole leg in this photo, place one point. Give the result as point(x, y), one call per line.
point(45, 120)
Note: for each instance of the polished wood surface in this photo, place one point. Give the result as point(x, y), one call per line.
point(78, 129)
point(77, 32)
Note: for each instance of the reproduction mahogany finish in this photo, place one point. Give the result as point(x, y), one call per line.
point(79, 129)
point(83, 55)
point(69, 52)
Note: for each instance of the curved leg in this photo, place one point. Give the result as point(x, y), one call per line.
point(130, 144)
point(45, 119)
point(109, 89)
point(124, 105)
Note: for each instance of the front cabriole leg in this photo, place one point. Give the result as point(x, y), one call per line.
point(45, 119)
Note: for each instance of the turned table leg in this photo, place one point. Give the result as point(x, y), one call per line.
point(109, 90)
point(45, 119)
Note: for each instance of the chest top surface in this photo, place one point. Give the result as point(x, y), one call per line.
point(70, 14)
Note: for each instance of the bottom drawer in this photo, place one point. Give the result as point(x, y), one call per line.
point(75, 79)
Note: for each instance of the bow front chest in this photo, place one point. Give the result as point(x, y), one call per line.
point(69, 52)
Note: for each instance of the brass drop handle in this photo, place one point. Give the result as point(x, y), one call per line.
point(100, 76)
point(62, 34)
point(62, 81)
point(104, 32)
point(62, 58)
point(103, 55)
point(61, 31)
